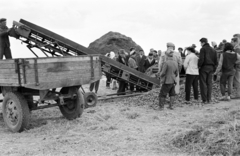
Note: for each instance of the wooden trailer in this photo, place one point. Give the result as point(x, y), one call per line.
point(54, 81)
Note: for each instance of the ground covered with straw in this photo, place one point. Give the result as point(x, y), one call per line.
point(132, 126)
point(218, 136)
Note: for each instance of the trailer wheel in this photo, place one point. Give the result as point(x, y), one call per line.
point(90, 99)
point(73, 107)
point(15, 111)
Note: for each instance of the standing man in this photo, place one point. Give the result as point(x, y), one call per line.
point(168, 80)
point(140, 59)
point(177, 58)
point(4, 40)
point(123, 60)
point(207, 64)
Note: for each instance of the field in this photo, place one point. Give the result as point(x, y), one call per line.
point(116, 128)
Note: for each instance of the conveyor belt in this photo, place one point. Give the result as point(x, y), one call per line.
point(123, 72)
point(56, 45)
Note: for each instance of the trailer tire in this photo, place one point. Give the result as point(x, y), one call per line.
point(90, 99)
point(74, 107)
point(16, 112)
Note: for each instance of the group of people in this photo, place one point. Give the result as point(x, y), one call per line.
point(201, 67)
point(134, 59)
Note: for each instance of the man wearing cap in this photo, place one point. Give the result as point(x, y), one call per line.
point(176, 57)
point(168, 76)
point(207, 64)
point(4, 40)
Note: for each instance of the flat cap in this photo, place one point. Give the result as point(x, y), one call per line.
point(236, 35)
point(121, 51)
point(2, 19)
point(203, 40)
point(169, 44)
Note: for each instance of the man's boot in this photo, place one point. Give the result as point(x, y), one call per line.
point(171, 102)
point(161, 103)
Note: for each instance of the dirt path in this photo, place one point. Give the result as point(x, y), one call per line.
point(111, 128)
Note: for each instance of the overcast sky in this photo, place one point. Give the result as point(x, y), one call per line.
point(150, 23)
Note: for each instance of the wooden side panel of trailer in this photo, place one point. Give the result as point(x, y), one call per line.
point(8, 73)
point(46, 73)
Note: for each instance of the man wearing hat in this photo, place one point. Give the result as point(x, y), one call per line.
point(176, 57)
point(207, 64)
point(4, 40)
point(168, 80)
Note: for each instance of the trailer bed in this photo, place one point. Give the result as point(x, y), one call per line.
point(52, 72)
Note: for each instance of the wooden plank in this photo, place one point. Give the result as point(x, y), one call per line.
point(4, 81)
point(9, 76)
point(56, 77)
point(10, 84)
point(63, 83)
point(11, 61)
point(7, 66)
point(56, 70)
point(59, 65)
point(7, 71)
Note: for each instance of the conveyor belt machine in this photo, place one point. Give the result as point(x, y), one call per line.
point(54, 45)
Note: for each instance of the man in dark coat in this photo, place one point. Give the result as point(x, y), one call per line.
point(150, 61)
point(207, 64)
point(140, 59)
point(4, 40)
point(123, 60)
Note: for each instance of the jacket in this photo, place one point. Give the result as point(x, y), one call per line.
point(227, 62)
point(4, 39)
point(132, 63)
point(164, 58)
point(122, 60)
point(191, 64)
point(148, 64)
point(169, 71)
point(207, 58)
point(140, 62)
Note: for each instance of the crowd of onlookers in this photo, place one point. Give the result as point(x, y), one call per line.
point(200, 67)
point(135, 59)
